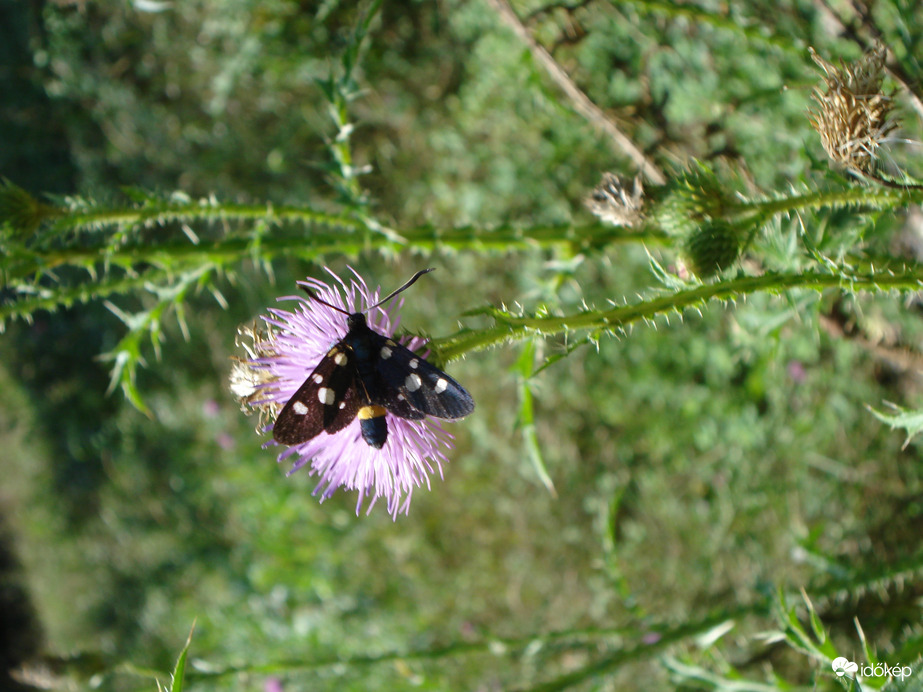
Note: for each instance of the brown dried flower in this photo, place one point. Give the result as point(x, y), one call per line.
point(249, 376)
point(854, 115)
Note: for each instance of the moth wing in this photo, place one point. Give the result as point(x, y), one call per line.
point(396, 402)
point(327, 401)
point(408, 379)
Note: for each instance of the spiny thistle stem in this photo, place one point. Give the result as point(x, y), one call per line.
point(512, 645)
point(511, 328)
point(879, 198)
point(317, 244)
point(50, 299)
point(634, 646)
point(354, 233)
point(199, 211)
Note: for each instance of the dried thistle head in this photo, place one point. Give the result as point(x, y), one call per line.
point(853, 116)
point(249, 376)
point(612, 203)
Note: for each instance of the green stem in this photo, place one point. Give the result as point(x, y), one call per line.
point(50, 300)
point(354, 233)
point(637, 650)
point(836, 199)
point(511, 328)
point(629, 643)
point(196, 211)
point(318, 244)
point(834, 591)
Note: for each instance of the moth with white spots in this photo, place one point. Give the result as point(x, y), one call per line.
point(367, 375)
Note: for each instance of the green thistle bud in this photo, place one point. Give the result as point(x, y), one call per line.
point(712, 248)
point(683, 204)
point(19, 210)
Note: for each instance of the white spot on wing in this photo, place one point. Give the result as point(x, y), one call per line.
point(299, 408)
point(385, 353)
point(413, 382)
point(413, 364)
point(342, 405)
point(441, 385)
point(340, 358)
point(318, 379)
point(325, 395)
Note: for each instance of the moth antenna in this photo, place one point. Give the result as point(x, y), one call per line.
point(407, 285)
point(312, 296)
point(404, 287)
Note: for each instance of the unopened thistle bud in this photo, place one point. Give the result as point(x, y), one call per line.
point(712, 248)
point(687, 201)
point(854, 116)
point(20, 211)
point(613, 203)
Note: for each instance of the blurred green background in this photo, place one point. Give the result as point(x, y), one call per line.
point(700, 464)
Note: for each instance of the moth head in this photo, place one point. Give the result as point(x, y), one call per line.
point(355, 320)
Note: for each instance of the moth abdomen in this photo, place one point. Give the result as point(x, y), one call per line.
point(374, 425)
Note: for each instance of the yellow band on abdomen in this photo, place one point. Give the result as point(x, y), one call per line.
point(373, 411)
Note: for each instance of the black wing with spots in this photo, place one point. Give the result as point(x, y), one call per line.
point(327, 401)
point(412, 388)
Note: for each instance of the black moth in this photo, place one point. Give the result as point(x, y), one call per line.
point(369, 375)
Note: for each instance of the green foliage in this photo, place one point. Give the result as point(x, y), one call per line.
point(524, 368)
point(905, 419)
point(179, 670)
point(671, 491)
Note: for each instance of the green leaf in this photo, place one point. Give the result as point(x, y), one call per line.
point(526, 419)
point(179, 670)
point(907, 419)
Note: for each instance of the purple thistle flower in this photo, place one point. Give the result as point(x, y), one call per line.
point(286, 352)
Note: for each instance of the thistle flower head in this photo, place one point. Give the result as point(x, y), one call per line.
point(613, 203)
point(853, 116)
point(280, 359)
